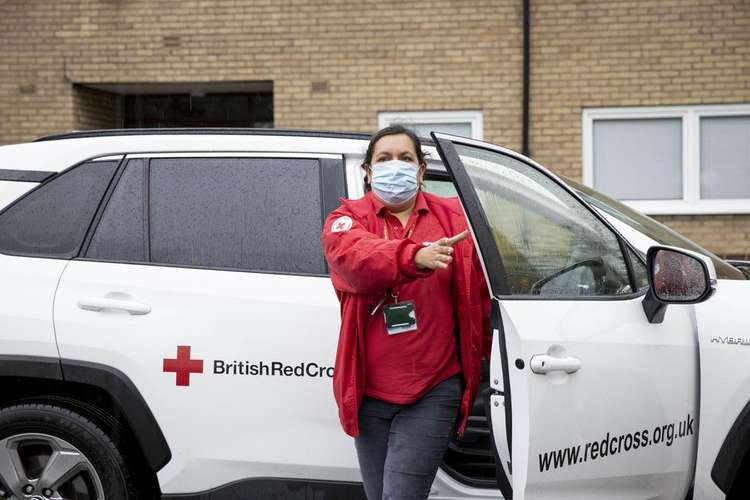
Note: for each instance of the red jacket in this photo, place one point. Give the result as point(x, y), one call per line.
point(364, 265)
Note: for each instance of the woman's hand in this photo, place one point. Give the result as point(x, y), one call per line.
point(438, 254)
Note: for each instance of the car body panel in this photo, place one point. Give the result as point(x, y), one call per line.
point(27, 291)
point(722, 324)
point(221, 427)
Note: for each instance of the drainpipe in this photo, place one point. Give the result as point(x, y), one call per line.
point(526, 75)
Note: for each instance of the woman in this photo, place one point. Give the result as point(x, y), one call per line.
point(414, 307)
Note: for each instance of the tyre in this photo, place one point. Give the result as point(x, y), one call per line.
point(50, 452)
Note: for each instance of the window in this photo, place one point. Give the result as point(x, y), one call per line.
point(261, 214)
point(463, 123)
point(670, 160)
point(52, 219)
point(440, 186)
point(551, 245)
point(653, 229)
point(724, 157)
point(120, 233)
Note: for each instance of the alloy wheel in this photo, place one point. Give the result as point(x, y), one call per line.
point(39, 466)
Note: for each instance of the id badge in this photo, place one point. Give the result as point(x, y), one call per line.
point(400, 317)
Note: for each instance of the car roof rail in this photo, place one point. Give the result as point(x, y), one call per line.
point(202, 131)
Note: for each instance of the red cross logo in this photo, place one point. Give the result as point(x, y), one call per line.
point(343, 223)
point(183, 366)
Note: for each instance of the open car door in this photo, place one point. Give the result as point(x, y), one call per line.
point(589, 399)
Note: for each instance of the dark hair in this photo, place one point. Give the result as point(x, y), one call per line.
point(392, 130)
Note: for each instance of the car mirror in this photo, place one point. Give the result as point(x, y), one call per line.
point(676, 276)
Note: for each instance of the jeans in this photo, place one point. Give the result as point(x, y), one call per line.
point(400, 447)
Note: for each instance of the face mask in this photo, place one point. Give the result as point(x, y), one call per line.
point(394, 181)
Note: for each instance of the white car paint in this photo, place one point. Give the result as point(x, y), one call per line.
point(622, 388)
point(27, 291)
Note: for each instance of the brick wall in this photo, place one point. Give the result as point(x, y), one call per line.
point(374, 56)
point(336, 63)
point(637, 53)
point(96, 109)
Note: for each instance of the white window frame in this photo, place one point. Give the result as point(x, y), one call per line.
point(691, 203)
point(474, 118)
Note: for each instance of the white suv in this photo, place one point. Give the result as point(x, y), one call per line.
point(168, 328)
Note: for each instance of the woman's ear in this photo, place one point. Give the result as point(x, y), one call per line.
point(368, 173)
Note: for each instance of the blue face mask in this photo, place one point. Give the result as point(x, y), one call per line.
point(394, 181)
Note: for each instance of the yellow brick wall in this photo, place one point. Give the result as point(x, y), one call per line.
point(637, 53)
point(336, 63)
point(375, 56)
point(95, 109)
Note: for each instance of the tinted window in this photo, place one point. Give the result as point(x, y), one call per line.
point(120, 233)
point(260, 214)
point(652, 228)
point(52, 220)
point(550, 244)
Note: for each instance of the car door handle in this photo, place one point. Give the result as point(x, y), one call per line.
point(100, 303)
point(544, 363)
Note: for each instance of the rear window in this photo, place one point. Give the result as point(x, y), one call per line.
point(51, 220)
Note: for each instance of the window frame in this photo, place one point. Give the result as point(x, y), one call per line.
point(472, 117)
point(690, 116)
point(328, 196)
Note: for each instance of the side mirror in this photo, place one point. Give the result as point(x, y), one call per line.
point(676, 276)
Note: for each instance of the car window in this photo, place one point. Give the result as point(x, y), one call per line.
point(121, 230)
point(52, 219)
point(551, 245)
point(260, 214)
point(444, 187)
point(440, 187)
point(652, 228)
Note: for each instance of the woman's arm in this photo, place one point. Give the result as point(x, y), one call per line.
point(361, 262)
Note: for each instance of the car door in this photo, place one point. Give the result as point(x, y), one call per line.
point(204, 283)
point(39, 231)
point(590, 400)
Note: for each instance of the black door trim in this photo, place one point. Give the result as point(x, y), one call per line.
point(732, 452)
point(11, 174)
point(271, 488)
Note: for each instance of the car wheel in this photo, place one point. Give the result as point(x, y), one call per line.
point(49, 452)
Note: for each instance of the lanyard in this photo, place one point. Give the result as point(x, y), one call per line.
point(385, 230)
point(392, 292)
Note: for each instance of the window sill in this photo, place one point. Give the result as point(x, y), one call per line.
point(681, 207)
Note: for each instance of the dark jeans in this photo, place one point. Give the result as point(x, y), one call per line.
point(400, 447)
